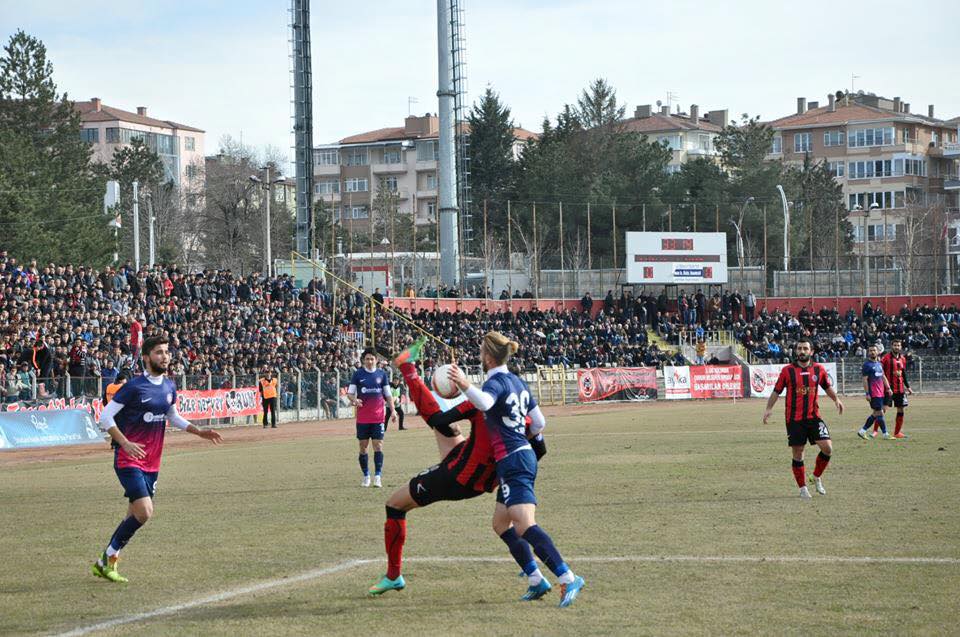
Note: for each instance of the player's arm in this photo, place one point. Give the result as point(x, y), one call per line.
point(832, 394)
point(535, 425)
point(109, 425)
point(388, 399)
point(481, 399)
point(178, 421)
point(775, 394)
point(906, 383)
point(441, 421)
point(352, 395)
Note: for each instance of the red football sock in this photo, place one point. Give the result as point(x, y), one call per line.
point(799, 473)
point(899, 424)
point(419, 392)
point(394, 535)
point(822, 461)
point(876, 426)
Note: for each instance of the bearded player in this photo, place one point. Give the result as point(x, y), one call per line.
point(467, 470)
point(894, 365)
point(802, 379)
point(136, 419)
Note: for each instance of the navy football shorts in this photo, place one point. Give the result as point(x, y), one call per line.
point(372, 431)
point(517, 473)
point(137, 483)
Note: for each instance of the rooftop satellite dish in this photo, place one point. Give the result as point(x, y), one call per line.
point(659, 103)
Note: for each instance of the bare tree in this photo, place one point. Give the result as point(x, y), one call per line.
point(919, 243)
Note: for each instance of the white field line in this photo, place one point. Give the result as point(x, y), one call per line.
point(350, 564)
point(778, 431)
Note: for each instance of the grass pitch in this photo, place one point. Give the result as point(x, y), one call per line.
point(619, 489)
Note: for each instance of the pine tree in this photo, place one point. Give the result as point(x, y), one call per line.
point(597, 105)
point(51, 198)
point(491, 148)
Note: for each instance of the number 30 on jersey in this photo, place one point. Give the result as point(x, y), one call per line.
point(516, 419)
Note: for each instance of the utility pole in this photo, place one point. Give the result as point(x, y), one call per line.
point(267, 250)
point(136, 226)
point(151, 219)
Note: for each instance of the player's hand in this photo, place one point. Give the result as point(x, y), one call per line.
point(134, 450)
point(357, 402)
point(766, 415)
point(212, 435)
point(458, 378)
point(909, 391)
point(394, 418)
point(839, 406)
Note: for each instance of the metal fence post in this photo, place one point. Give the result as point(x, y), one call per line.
point(33, 384)
point(319, 392)
point(920, 368)
point(299, 389)
point(209, 380)
point(99, 385)
point(563, 384)
point(67, 386)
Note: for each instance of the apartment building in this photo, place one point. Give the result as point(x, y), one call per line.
point(107, 129)
point(688, 135)
point(350, 173)
point(887, 158)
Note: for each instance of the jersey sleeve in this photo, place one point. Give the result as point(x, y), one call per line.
point(125, 395)
point(782, 380)
point(865, 371)
point(494, 387)
point(824, 378)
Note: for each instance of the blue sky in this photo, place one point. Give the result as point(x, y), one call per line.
point(224, 67)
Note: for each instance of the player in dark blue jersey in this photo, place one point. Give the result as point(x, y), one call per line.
point(506, 401)
point(136, 419)
point(370, 393)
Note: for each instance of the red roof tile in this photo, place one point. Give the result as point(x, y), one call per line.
point(658, 122)
point(88, 113)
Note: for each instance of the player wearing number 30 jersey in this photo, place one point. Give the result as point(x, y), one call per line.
point(506, 401)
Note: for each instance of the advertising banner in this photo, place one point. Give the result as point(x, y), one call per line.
point(676, 380)
point(764, 377)
point(617, 383)
point(218, 403)
point(92, 406)
point(716, 381)
point(19, 430)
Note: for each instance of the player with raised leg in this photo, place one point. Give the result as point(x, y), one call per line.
point(506, 401)
point(466, 470)
point(876, 388)
point(136, 419)
point(801, 379)
point(369, 392)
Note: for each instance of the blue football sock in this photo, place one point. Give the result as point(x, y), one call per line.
point(124, 532)
point(883, 423)
point(869, 422)
point(363, 464)
point(520, 550)
point(545, 550)
point(377, 462)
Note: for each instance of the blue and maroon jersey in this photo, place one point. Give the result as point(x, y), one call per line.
point(143, 419)
point(506, 420)
point(372, 388)
point(873, 372)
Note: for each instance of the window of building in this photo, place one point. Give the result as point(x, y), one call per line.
point(356, 157)
point(670, 141)
point(388, 183)
point(776, 145)
point(906, 137)
point(326, 157)
point(671, 169)
point(189, 143)
point(90, 135)
point(834, 138)
point(883, 199)
point(432, 209)
point(428, 151)
point(835, 167)
point(871, 137)
point(357, 185)
point(704, 142)
point(113, 135)
point(358, 212)
point(391, 155)
point(802, 142)
point(431, 181)
point(870, 169)
point(191, 171)
point(327, 187)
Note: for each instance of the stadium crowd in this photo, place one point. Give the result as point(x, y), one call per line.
point(65, 319)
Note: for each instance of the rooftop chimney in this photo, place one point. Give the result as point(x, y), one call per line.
point(142, 111)
point(718, 118)
point(831, 102)
point(642, 111)
point(906, 107)
point(97, 106)
point(665, 110)
point(897, 105)
point(694, 114)
point(930, 111)
point(801, 105)
point(813, 105)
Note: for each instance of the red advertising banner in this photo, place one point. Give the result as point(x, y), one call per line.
point(617, 383)
point(218, 403)
point(716, 381)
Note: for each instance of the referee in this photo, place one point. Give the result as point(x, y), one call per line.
point(268, 393)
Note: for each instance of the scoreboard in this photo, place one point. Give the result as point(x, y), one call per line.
point(676, 257)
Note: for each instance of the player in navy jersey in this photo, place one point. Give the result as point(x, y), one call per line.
point(370, 393)
point(506, 402)
point(877, 388)
point(136, 419)
point(802, 381)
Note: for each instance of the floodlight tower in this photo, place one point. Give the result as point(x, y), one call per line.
point(447, 182)
point(303, 124)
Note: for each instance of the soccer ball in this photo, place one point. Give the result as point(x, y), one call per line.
point(441, 384)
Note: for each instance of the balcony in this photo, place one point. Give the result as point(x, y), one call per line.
point(951, 182)
point(326, 170)
point(389, 169)
point(427, 193)
point(950, 150)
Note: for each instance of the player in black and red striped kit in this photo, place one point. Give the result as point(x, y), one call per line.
point(802, 379)
point(467, 470)
point(895, 369)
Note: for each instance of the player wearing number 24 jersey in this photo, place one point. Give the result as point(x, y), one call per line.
point(802, 381)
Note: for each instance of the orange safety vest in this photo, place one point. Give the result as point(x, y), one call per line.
point(268, 387)
point(112, 390)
